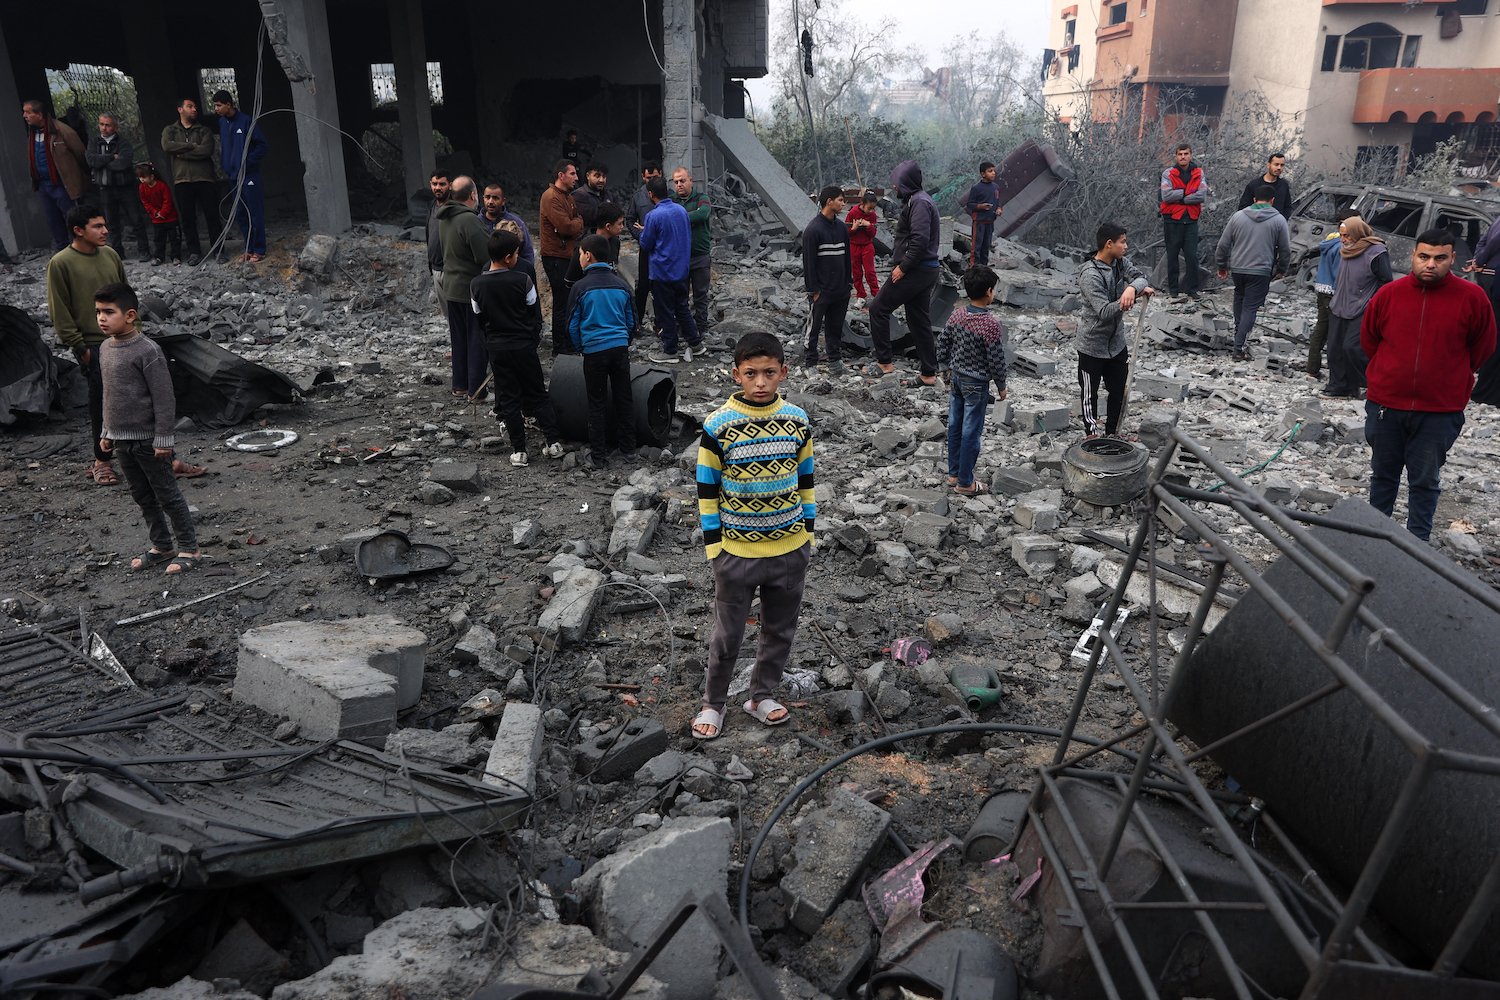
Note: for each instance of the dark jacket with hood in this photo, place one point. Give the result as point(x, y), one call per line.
point(918, 232)
point(1256, 241)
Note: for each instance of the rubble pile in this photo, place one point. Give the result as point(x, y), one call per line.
point(558, 650)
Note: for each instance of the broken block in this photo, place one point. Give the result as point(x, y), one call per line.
point(1014, 481)
point(1036, 554)
point(1033, 365)
point(517, 748)
point(631, 892)
point(461, 477)
point(1159, 387)
point(1040, 510)
point(525, 534)
point(335, 679)
point(895, 555)
point(926, 530)
point(835, 843)
point(840, 950)
point(1156, 426)
point(619, 753)
point(633, 531)
point(572, 607)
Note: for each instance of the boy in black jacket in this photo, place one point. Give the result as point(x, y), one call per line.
point(827, 276)
point(505, 300)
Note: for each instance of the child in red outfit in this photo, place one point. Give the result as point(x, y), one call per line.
point(156, 199)
point(862, 220)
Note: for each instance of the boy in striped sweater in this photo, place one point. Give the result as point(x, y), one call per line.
point(971, 349)
point(756, 507)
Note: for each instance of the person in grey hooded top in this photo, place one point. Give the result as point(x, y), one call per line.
point(915, 251)
point(1109, 285)
point(1255, 248)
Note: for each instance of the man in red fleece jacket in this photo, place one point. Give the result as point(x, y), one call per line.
point(1426, 335)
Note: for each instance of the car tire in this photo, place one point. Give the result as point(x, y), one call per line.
point(1106, 472)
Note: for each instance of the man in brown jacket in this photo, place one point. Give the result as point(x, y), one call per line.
point(561, 225)
point(56, 159)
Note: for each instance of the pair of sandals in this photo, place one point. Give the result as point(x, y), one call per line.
point(974, 489)
point(150, 559)
point(761, 711)
point(103, 473)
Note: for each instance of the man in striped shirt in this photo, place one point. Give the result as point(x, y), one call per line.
point(826, 274)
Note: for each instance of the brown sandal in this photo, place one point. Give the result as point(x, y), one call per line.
point(976, 488)
point(103, 474)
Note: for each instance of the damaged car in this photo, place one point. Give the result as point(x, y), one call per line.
point(1398, 215)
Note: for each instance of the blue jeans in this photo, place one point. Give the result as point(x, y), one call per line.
point(1249, 295)
point(967, 401)
point(1417, 442)
point(984, 235)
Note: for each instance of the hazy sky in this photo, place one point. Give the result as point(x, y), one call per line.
point(928, 26)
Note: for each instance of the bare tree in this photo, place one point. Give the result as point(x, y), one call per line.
point(982, 78)
point(846, 61)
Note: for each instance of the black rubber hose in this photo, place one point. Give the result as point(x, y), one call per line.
point(876, 744)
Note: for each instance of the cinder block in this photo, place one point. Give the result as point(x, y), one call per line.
point(461, 477)
point(1158, 387)
point(1038, 555)
point(1033, 365)
point(620, 753)
point(926, 530)
point(834, 845)
point(517, 748)
point(633, 531)
point(334, 679)
point(572, 607)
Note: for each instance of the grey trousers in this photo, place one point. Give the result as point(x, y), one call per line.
point(155, 492)
point(780, 580)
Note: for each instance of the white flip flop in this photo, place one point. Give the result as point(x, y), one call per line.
point(707, 717)
point(762, 711)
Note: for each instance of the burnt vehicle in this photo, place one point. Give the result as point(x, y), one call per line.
point(1396, 214)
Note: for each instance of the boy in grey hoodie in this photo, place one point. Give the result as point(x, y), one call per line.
point(1255, 249)
point(1109, 285)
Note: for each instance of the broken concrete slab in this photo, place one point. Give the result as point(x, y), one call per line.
point(633, 531)
point(1036, 554)
point(517, 748)
point(926, 530)
point(835, 842)
point(423, 953)
point(579, 592)
point(840, 949)
point(457, 745)
point(344, 679)
point(631, 892)
point(461, 477)
point(622, 751)
point(762, 171)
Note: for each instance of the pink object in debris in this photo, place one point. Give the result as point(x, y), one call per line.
point(911, 650)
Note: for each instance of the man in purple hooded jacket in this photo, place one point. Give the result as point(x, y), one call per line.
point(915, 253)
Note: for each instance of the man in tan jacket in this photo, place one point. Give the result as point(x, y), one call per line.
point(55, 155)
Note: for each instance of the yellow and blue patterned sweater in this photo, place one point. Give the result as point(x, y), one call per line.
point(755, 479)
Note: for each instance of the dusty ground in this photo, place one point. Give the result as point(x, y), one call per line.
point(67, 545)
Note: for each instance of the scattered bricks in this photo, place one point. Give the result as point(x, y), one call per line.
point(1277, 488)
point(452, 746)
point(621, 752)
point(1157, 387)
point(633, 531)
point(630, 497)
point(434, 494)
point(461, 477)
point(1053, 418)
point(517, 748)
point(630, 892)
point(343, 679)
point(1313, 423)
point(1048, 459)
point(895, 555)
point(579, 592)
point(1036, 554)
point(1033, 365)
point(525, 534)
point(1014, 481)
point(1236, 399)
point(926, 530)
point(839, 951)
point(478, 646)
point(835, 843)
point(1156, 426)
point(1040, 510)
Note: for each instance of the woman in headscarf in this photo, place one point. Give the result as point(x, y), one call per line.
point(1364, 266)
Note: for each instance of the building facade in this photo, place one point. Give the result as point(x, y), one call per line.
point(1368, 85)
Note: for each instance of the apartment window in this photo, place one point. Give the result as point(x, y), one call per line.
point(1470, 8)
point(1143, 7)
point(383, 84)
point(1409, 51)
point(1371, 46)
point(1118, 13)
point(1331, 53)
point(217, 79)
point(1070, 42)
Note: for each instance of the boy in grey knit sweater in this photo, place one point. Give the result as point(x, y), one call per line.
point(140, 413)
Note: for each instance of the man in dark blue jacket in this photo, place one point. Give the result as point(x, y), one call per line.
point(983, 207)
point(915, 251)
point(826, 275)
point(668, 238)
point(242, 147)
point(602, 322)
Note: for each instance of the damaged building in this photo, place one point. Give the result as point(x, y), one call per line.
point(635, 83)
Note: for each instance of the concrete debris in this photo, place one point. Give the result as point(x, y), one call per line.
point(835, 842)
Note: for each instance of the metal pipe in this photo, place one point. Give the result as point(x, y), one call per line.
point(1471, 925)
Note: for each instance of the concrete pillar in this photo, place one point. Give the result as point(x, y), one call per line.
point(413, 104)
point(303, 48)
point(680, 85)
point(22, 224)
point(493, 80)
point(154, 71)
